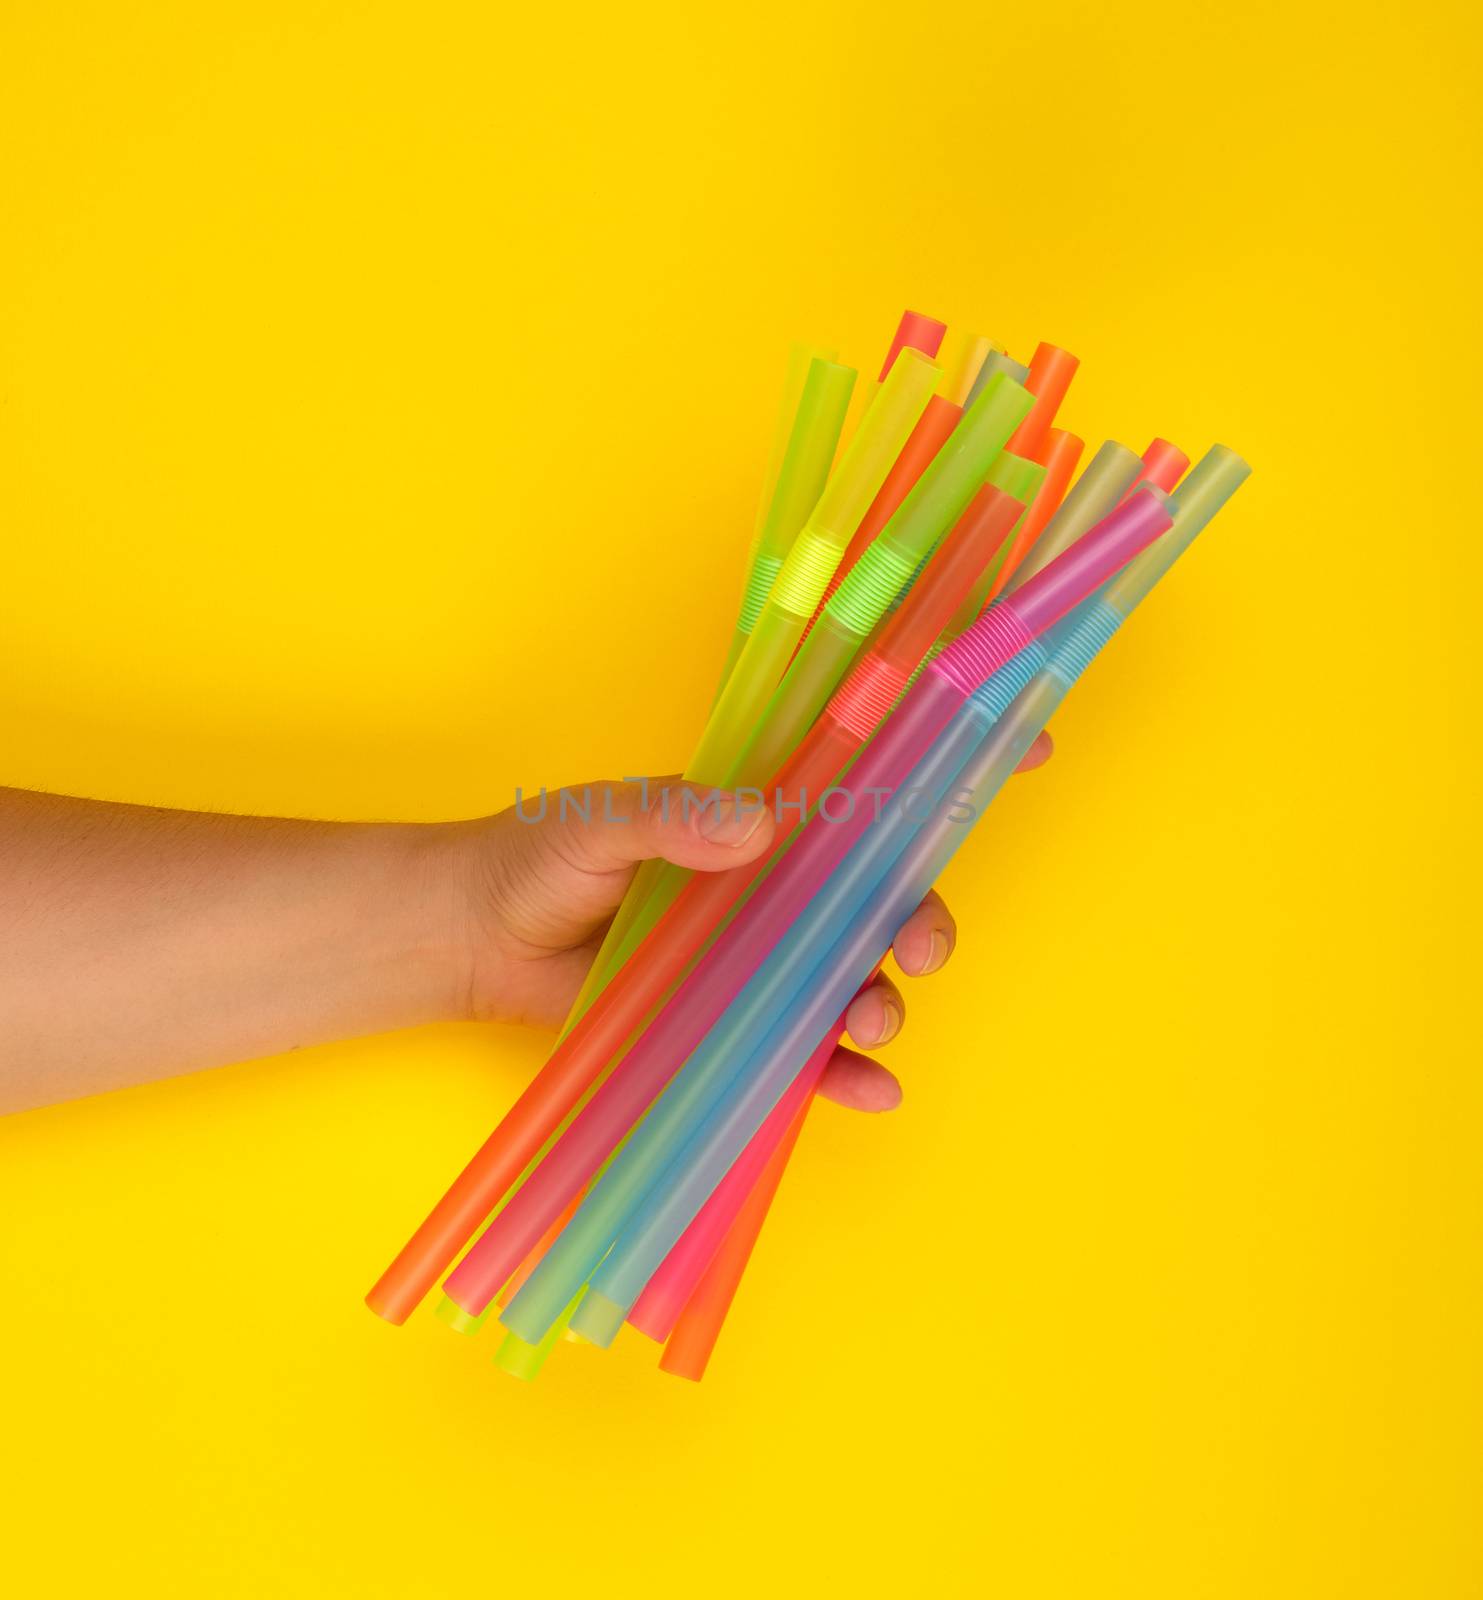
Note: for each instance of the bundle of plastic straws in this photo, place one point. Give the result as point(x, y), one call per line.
point(916, 606)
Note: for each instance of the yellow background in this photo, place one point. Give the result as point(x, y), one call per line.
point(364, 368)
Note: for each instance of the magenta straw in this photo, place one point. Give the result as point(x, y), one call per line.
point(999, 634)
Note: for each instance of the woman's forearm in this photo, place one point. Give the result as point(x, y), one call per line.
point(136, 943)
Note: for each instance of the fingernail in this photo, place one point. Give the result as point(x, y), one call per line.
point(727, 822)
point(890, 1020)
point(938, 951)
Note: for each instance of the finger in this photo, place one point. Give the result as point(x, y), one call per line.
point(926, 939)
point(1038, 754)
point(604, 826)
point(859, 1083)
point(875, 1014)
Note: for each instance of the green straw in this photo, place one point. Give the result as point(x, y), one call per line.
point(996, 362)
point(885, 427)
point(815, 400)
point(802, 477)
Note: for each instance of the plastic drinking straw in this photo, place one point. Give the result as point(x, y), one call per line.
point(650, 1063)
point(961, 356)
point(801, 357)
point(1022, 479)
point(1058, 456)
point(522, 1360)
point(802, 476)
point(793, 981)
point(526, 1267)
point(927, 438)
point(809, 430)
point(458, 1319)
point(1051, 372)
point(461, 1322)
point(585, 1050)
point(688, 1351)
point(658, 1308)
point(1164, 464)
point(914, 332)
point(1101, 487)
point(996, 361)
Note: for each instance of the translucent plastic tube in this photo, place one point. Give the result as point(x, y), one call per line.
point(699, 1324)
point(710, 1136)
point(1050, 375)
point(801, 357)
point(650, 1063)
point(915, 331)
point(1108, 477)
point(884, 429)
point(669, 1290)
point(815, 401)
point(961, 357)
point(995, 362)
point(1164, 464)
point(659, 1307)
point(1021, 478)
point(802, 478)
point(932, 431)
point(522, 1360)
point(1059, 456)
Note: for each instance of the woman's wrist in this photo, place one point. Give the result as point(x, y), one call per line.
point(431, 903)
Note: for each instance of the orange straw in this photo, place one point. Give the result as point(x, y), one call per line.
point(1164, 464)
point(1059, 457)
point(1051, 372)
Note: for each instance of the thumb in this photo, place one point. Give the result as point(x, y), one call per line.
point(704, 829)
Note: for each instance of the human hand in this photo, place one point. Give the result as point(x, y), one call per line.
point(542, 892)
